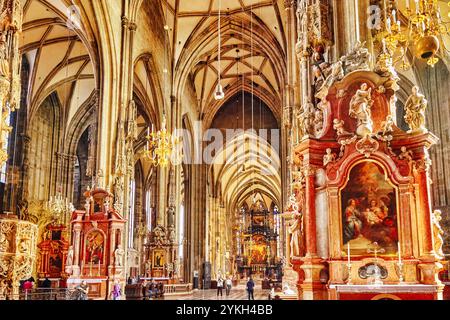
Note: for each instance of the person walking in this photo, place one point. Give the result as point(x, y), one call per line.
point(228, 284)
point(250, 288)
point(219, 286)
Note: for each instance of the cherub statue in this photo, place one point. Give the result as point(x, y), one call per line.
point(388, 125)
point(328, 157)
point(360, 109)
point(338, 125)
point(438, 232)
point(415, 111)
point(405, 154)
point(357, 59)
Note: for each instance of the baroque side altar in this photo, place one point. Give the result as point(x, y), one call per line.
point(361, 191)
point(96, 254)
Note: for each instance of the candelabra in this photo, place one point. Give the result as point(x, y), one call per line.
point(59, 207)
point(422, 32)
point(159, 146)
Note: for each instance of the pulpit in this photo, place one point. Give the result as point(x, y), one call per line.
point(362, 193)
point(96, 254)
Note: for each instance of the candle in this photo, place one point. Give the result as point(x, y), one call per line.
point(99, 267)
point(348, 252)
point(399, 253)
point(407, 4)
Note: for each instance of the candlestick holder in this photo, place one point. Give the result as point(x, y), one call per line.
point(349, 270)
point(400, 271)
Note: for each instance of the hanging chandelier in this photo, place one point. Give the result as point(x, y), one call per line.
point(59, 207)
point(219, 94)
point(423, 32)
point(159, 146)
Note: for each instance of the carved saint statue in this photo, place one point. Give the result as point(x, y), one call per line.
point(415, 111)
point(172, 235)
point(438, 232)
point(87, 205)
point(296, 235)
point(69, 260)
point(360, 109)
point(118, 256)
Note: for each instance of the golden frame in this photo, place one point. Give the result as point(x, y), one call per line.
point(397, 199)
point(162, 255)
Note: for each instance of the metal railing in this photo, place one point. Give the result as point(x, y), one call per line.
point(44, 294)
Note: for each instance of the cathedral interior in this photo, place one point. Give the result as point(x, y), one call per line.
point(299, 143)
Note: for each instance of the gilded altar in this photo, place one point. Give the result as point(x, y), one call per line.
point(361, 186)
point(160, 253)
point(17, 253)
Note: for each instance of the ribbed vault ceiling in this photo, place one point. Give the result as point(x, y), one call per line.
point(254, 27)
point(59, 60)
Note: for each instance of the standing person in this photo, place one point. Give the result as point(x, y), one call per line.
point(116, 293)
point(47, 284)
point(219, 286)
point(27, 287)
point(228, 284)
point(250, 288)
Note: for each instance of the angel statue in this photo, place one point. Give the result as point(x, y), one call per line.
point(360, 109)
point(415, 111)
point(438, 232)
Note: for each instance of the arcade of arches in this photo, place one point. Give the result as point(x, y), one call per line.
point(323, 171)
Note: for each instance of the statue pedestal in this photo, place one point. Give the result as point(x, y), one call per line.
point(312, 288)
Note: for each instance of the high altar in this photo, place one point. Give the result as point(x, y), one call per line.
point(96, 254)
point(362, 197)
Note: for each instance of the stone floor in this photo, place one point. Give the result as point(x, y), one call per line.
point(238, 293)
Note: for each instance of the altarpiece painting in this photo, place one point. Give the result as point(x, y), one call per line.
point(369, 210)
